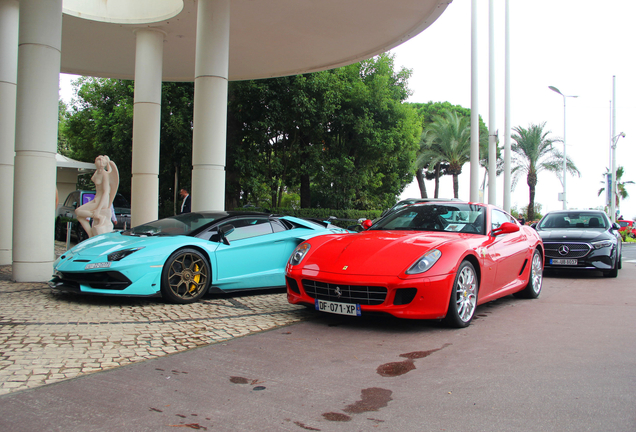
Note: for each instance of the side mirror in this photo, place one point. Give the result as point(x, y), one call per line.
point(366, 224)
point(505, 228)
point(225, 231)
point(616, 226)
point(533, 225)
point(75, 205)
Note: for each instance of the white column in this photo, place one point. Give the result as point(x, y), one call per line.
point(507, 155)
point(39, 53)
point(474, 109)
point(492, 123)
point(146, 126)
point(210, 105)
point(9, 16)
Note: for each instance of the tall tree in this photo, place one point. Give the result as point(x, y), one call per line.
point(429, 112)
point(533, 152)
point(621, 190)
point(343, 138)
point(448, 140)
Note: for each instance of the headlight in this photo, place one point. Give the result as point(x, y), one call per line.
point(299, 254)
point(601, 244)
point(425, 262)
point(119, 255)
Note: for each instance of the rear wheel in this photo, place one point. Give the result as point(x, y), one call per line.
point(185, 277)
point(535, 281)
point(463, 300)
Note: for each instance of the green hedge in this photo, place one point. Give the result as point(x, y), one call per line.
point(344, 219)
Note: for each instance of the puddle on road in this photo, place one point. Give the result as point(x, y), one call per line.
point(394, 369)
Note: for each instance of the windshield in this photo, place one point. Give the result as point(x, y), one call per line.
point(182, 224)
point(581, 220)
point(467, 218)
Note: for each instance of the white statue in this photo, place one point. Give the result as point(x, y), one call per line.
point(106, 179)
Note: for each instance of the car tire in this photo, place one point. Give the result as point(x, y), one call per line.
point(535, 279)
point(613, 272)
point(463, 298)
point(185, 277)
point(60, 230)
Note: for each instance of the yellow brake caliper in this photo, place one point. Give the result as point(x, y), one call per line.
point(196, 279)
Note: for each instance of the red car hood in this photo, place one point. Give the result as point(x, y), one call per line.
point(381, 253)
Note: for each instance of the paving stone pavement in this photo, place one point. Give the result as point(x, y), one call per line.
point(47, 336)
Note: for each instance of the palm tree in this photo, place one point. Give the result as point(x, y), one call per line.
point(447, 140)
point(621, 192)
point(534, 152)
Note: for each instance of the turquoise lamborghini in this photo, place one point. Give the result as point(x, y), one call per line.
point(181, 258)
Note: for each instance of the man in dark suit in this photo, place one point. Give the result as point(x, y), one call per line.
point(187, 201)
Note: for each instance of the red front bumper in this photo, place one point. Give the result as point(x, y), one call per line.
point(430, 301)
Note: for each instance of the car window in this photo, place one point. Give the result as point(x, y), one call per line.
point(120, 201)
point(248, 227)
point(277, 226)
point(72, 198)
point(581, 220)
point(498, 218)
point(467, 218)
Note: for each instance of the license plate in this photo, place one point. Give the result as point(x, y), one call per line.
point(98, 265)
point(561, 261)
point(338, 308)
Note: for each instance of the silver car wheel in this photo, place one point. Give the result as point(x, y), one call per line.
point(466, 293)
point(537, 273)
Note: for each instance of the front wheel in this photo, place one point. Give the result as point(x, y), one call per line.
point(535, 280)
point(463, 299)
point(185, 277)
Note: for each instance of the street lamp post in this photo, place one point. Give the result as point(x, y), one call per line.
point(565, 202)
point(612, 186)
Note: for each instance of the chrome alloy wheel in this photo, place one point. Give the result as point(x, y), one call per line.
point(536, 273)
point(466, 293)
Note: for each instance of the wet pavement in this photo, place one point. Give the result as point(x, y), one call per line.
point(566, 361)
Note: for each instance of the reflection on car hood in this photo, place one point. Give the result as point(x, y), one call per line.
point(111, 242)
point(375, 252)
point(572, 234)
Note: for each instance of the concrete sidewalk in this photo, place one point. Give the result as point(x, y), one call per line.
point(566, 361)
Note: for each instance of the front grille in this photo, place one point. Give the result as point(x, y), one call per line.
point(112, 280)
point(574, 250)
point(361, 294)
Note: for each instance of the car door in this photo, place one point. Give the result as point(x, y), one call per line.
point(511, 251)
point(256, 256)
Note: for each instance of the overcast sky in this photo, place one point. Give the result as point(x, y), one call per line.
point(575, 46)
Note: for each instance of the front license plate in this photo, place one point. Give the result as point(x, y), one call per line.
point(338, 308)
point(98, 265)
point(561, 261)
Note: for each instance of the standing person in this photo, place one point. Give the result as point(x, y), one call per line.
point(186, 204)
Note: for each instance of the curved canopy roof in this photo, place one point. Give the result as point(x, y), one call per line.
point(268, 38)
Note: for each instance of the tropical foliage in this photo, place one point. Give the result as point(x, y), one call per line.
point(432, 113)
point(533, 152)
point(339, 139)
point(621, 190)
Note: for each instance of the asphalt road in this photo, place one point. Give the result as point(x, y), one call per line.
point(563, 362)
